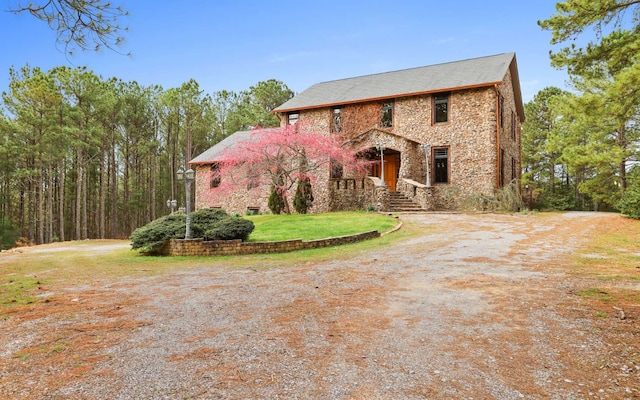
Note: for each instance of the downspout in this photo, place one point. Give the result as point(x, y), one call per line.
point(498, 155)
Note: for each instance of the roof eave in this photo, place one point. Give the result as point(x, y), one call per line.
point(395, 96)
point(201, 162)
point(517, 91)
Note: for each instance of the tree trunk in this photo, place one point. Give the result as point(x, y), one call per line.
point(102, 195)
point(80, 175)
point(50, 192)
point(40, 200)
point(85, 221)
point(61, 194)
point(32, 212)
point(125, 187)
point(115, 216)
point(153, 188)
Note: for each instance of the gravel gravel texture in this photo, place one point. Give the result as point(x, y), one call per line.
point(476, 307)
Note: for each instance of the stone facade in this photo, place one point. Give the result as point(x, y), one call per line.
point(481, 138)
point(241, 201)
point(476, 142)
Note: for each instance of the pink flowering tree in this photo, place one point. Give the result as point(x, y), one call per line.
point(281, 158)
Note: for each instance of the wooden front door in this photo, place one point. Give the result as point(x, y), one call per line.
point(391, 168)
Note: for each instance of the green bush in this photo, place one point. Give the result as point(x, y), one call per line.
point(207, 217)
point(230, 228)
point(629, 205)
point(207, 222)
point(304, 196)
point(276, 201)
point(151, 237)
point(8, 235)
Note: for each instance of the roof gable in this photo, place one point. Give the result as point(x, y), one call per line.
point(213, 153)
point(476, 72)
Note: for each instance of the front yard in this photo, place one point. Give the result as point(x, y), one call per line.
point(494, 306)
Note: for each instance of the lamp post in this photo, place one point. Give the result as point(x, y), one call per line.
point(188, 176)
point(172, 204)
point(380, 148)
point(427, 151)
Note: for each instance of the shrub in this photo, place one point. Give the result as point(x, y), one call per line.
point(151, 237)
point(208, 217)
point(8, 235)
point(276, 201)
point(630, 202)
point(507, 198)
point(230, 228)
point(206, 222)
point(304, 197)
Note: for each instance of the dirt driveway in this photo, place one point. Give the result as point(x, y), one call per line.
point(477, 307)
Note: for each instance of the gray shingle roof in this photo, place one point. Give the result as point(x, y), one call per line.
point(214, 152)
point(474, 72)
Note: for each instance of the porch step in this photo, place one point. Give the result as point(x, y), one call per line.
point(398, 202)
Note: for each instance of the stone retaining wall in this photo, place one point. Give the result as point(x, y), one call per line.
point(200, 247)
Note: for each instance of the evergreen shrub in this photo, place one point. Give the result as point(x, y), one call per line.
point(303, 199)
point(206, 222)
point(230, 228)
point(629, 205)
point(8, 235)
point(276, 201)
point(207, 217)
point(151, 237)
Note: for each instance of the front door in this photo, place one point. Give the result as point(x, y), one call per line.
point(391, 165)
point(391, 168)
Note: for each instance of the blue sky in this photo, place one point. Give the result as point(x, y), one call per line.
point(235, 44)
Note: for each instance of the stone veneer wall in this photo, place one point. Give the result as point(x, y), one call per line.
point(318, 120)
point(239, 201)
point(512, 148)
point(470, 135)
point(200, 247)
point(350, 194)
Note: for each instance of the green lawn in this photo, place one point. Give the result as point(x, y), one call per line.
point(317, 226)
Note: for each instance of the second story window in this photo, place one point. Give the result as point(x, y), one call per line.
point(336, 120)
point(292, 118)
point(387, 114)
point(440, 108)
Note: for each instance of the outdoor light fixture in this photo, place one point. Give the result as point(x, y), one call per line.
point(188, 176)
point(427, 151)
point(380, 148)
point(172, 204)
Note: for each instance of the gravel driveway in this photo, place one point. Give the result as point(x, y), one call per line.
point(477, 307)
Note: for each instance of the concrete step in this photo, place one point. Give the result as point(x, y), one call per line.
point(400, 203)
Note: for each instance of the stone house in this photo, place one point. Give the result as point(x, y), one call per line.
point(446, 133)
